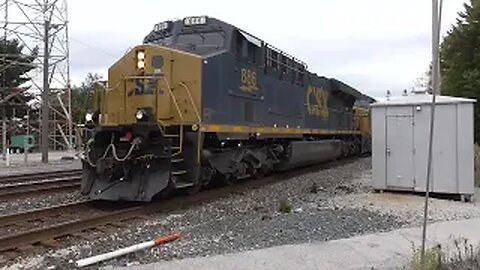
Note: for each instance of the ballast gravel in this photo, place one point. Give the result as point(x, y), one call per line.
point(13, 206)
point(317, 205)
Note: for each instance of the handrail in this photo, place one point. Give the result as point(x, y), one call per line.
point(173, 98)
point(191, 101)
point(177, 107)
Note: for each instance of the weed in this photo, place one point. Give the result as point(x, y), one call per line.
point(285, 206)
point(432, 261)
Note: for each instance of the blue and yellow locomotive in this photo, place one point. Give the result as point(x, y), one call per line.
point(200, 100)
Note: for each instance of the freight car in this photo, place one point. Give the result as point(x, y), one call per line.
point(203, 100)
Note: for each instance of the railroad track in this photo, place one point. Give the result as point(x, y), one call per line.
point(20, 178)
point(30, 228)
point(33, 184)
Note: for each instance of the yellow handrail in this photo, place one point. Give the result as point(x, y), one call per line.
point(197, 114)
point(180, 148)
point(174, 99)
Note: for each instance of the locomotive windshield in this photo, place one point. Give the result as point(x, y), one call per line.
point(196, 34)
point(214, 39)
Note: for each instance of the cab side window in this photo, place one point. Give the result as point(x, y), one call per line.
point(247, 47)
point(241, 48)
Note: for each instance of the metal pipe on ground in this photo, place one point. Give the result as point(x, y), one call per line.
point(126, 250)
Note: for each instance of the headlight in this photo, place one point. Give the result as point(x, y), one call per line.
point(89, 117)
point(140, 59)
point(140, 114)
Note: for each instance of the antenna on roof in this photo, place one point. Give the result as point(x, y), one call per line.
point(405, 93)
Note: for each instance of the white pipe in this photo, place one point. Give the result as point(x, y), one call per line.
point(113, 254)
point(7, 157)
point(130, 249)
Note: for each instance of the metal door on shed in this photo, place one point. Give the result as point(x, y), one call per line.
point(399, 149)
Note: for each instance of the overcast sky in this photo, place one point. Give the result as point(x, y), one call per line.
point(373, 45)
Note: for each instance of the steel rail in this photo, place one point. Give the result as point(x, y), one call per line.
point(17, 178)
point(31, 188)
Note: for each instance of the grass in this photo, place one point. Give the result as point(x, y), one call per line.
point(285, 206)
point(433, 259)
point(463, 256)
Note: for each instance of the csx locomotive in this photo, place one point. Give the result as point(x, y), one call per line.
point(203, 100)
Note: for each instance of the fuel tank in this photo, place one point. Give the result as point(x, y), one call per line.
point(303, 153)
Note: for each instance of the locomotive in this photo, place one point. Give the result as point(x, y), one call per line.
point(202, 100)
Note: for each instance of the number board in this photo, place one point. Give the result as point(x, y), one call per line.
point(316, 100)
point(248, 79)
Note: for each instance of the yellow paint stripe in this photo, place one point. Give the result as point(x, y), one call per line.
point(271, 130)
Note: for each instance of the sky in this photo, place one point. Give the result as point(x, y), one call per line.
point(372, 45)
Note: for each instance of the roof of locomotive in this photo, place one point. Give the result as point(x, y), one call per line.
point(186, 34)
point(210, 36)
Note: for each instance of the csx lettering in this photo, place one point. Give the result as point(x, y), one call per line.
point(317, 102)
point(248, 79)
point(143, 87)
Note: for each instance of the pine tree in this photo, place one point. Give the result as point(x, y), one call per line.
point(460, 58)
point(14, 65)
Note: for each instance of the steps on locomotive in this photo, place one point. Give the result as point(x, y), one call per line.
point(179, 174)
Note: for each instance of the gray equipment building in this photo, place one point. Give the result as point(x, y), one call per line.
point(400, 133)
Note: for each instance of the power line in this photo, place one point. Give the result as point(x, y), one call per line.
point(94, 47)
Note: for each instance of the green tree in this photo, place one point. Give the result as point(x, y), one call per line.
point(82, 97)
point(14, 65)
point(460, 58)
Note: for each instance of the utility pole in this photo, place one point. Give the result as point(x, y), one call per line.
point(2, 94)
point(436, 18)
point(41, 26)
point(45, 92)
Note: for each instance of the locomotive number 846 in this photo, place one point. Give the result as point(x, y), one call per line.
point(203, 100)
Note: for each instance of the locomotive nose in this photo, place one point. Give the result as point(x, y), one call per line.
point(154, 82)
point(147, 96)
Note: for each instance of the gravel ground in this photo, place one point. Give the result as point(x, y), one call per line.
point(405, 205)
point(338, 205)
point(31, 203)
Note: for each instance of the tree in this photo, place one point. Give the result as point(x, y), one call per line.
point(460, 58)
point(424, 82)
point(14, 65)
point(83, 96)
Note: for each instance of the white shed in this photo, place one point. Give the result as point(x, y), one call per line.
point(400, 133)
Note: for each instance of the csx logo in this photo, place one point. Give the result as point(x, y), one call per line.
point(317, 102)
point(143, 87)
point(248, 79)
